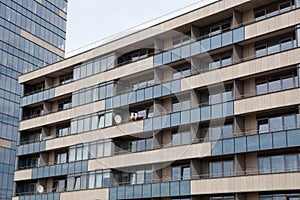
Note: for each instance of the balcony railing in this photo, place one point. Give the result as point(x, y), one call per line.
point(150, 190)
point(257, 142)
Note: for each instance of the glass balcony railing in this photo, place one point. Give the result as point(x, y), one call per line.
point(203, 113)
point(60, 169)
point(50, 196)
point(38, 97)
point(257, 142)
point(151, 190)
point(201, 46)
point(31, 148)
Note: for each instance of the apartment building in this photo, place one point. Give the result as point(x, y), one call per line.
point(202, 106)
point(32, 35)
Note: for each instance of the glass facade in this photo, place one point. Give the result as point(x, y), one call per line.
point(19, 55)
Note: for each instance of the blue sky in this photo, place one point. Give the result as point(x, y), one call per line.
point(92, 20)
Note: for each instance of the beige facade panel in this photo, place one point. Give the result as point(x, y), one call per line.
point(42, 43)
point(116, 73)
point(5, 143)
point(15, 198)
point(252, 67)
point(107, 133)
point(40, 1)
point(257, 183)
point(136, 37)
point(272, 24)
point(268, 101)
point(62, 115)
point(62, 14)
point(23, 175)
point(165, 155)
point(86, 195)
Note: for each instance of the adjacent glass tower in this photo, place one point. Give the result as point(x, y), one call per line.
point(32, 35)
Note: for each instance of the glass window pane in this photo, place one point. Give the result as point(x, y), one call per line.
point(91, 181)
point(186, 174)
point(186, 137)
point(228, 168)
point(261, 88)
point(176, 139)
point(289, 121)
point(216, 169)
point(277, 163)
point(264, 165)
point(276, 123)
point(274, 86)
point(288, 83)
point(98, 180)
point(291, 163)
point(263, 126)
point(227, 131)
point(176, 173)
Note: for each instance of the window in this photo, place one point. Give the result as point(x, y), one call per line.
point(222, 198)
point(31, 162)
point(274, 45)
point(181, 104)
point(141, 145)
point(181, 72)
point(27, 138)
point(59, 185)
point(65, 104)
point(180, 173)
point(285, 81)
point(216, 28)
point(221, 169)
point(220, 60)
point(278, 163)
point(181, 40)
point(67, 78)
point(181, 138)
point(63, 130)
point(277, 123)
point(273, 9)
point(219, 132)
point(61, 157)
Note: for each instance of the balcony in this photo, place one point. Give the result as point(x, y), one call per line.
point(151, 190)
point(257, 142)
point(202, 46)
